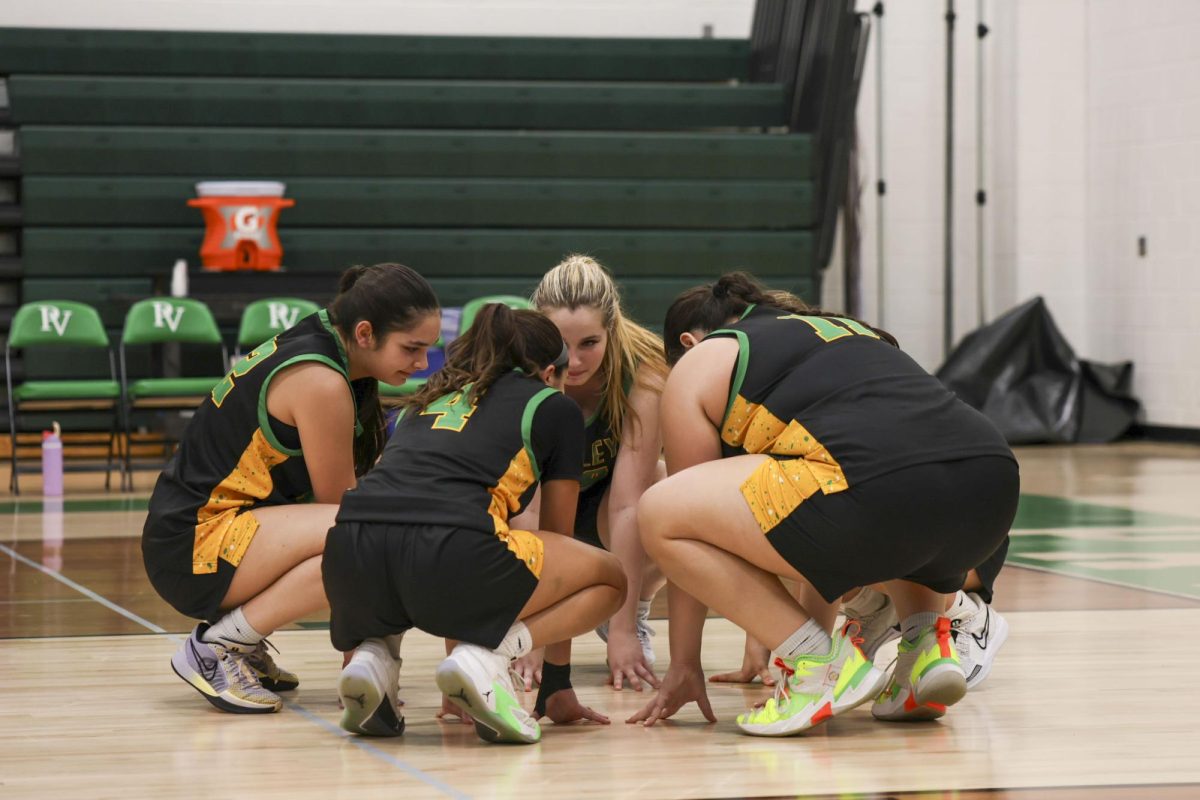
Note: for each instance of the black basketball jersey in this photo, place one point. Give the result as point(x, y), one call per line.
point(234, 455)
point(599, 451)
point(600, 445)
point(831, 392)
point(472, 465)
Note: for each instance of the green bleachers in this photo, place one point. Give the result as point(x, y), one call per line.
point(393, 104)
point(435, 202)
point(479, 161)
point(290, 152)
point(449, 252)
point(118, 52)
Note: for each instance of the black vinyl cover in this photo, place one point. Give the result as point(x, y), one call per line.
point(1024, 376)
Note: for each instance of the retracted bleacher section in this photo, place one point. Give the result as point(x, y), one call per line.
point(481, 162)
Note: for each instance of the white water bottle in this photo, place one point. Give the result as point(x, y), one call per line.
point(52, 462)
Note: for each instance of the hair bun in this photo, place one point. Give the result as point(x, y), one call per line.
point(720, 290)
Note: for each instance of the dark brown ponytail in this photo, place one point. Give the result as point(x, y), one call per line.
point(709, 307)
point(499, 340)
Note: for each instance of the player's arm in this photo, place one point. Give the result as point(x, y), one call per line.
point(318, 402)
point(634, 472)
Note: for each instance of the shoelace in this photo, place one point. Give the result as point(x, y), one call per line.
point(246, 677)
point(261, 655)
point(852, 630)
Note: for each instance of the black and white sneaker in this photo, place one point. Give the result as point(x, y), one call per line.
point(979, 632)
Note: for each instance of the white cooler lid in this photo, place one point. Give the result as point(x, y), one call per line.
point(240, 189)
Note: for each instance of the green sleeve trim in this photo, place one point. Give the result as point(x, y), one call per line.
point(527, 427)
point(264, 418)
point(742, 363)
point(746, 313)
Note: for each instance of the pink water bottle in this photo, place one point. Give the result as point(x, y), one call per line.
point(52, 462)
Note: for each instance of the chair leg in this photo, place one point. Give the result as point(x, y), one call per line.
point(127, 476)
point(13, 484)
point(112, 438)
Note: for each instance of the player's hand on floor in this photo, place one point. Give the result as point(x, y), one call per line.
point(563, 707)
point(756, 663)
point(627, 664)
point(449, 712)
point(680, 686)
point(529, 668)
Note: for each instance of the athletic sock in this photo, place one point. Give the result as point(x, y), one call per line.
point(233, 631)
point(914, 625)
point(866, 602)
point(810, 639)
point(962, 607)
point(517, 642)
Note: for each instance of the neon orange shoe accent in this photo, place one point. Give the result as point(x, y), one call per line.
point(825, 712)
point(943, 636)
point(936, 707)
point(910, 702)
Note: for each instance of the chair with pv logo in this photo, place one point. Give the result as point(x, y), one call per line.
point(161, 321)
point(59, 324)
point(267, 318)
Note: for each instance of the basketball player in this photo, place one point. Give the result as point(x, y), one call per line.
point(424, 541)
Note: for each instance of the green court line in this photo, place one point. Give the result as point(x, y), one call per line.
point(31, 506)
point(1137, 549)
point(1043, 511)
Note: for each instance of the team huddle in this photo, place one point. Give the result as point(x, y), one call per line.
point(779, 464)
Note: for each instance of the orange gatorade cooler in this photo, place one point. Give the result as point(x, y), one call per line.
point(239, 218)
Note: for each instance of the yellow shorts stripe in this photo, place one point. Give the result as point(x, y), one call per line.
point(527, 547)
point(777, 487)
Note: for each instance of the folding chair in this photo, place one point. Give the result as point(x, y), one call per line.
point(267, 318)
point(55, 323)
point(162, 320)
point(471, 309)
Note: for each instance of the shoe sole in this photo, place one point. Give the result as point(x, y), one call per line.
point(459, 689)
point(792, 726)
point(999, 637)
point(272, 685)
point(944, 685)
point(865, 691)
point(218, 699)
point(358, 692)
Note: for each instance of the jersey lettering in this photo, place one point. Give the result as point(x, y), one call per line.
point(252, 360)
point(833, 328)
point(452, 411)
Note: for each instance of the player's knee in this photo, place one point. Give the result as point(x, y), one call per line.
point(653, 512)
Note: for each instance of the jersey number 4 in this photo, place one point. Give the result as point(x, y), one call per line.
point(451, 411)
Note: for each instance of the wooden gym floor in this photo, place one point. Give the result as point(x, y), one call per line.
point(1093, 696)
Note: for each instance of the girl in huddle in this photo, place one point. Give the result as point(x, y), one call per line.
point(425, 540)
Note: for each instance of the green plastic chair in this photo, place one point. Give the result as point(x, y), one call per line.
point(60, 323)
point(267, 318)
point(162, 320)
point(388, 393)
point(471, 309)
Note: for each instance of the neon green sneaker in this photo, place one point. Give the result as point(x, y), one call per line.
point(928, 677)
point(814, 688)
point(476, 680)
